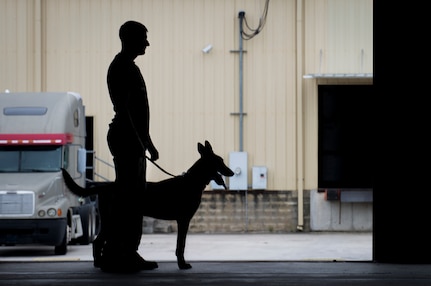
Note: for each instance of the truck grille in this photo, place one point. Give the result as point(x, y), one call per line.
point(15, 203)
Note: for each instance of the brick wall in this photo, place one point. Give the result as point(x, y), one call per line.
point(240, 211)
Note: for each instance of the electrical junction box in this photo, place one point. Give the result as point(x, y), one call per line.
point(259, 174)
point(238, 164)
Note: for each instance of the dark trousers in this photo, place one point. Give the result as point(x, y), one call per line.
point(125, 215)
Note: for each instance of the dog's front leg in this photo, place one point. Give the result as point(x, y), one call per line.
point(183, 226)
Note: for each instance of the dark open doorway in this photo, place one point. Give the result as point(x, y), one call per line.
point(345, 136)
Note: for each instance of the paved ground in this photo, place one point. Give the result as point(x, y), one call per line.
point(246, 259)
point(224, 247)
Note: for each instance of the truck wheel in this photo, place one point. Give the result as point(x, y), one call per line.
point(61, 249)
point(88, 220)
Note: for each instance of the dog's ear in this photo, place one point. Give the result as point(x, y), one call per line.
point(208, 146)
point(201, 148)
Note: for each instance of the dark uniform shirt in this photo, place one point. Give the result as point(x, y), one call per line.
point(130, 102)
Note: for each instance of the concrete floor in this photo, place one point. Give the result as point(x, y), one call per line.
point(244, 259)
point(219, 273)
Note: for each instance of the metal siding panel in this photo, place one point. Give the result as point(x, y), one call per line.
point(21, 43)
point(269, 57)
point(310, 134)
point(16, 45)
point(339, 36)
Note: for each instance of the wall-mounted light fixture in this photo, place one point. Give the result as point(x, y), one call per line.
point(207, 49)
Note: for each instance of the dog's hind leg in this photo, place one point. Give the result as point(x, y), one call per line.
point(183, 227)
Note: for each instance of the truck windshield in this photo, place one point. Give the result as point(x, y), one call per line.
point(25, 159)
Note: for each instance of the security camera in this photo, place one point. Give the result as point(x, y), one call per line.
point(207, 49)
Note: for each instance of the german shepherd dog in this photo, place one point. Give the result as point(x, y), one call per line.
point(176, 198)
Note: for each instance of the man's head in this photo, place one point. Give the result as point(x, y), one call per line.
point(133, 36)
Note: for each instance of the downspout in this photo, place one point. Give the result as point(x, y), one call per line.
point(299, 114)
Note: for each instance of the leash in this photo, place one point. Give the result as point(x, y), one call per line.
point(160, 168)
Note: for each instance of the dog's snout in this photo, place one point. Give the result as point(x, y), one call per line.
point(228, 172)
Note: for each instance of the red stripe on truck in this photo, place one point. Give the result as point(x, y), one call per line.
point(36, 139)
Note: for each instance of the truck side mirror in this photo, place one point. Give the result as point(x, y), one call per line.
point(82, 160)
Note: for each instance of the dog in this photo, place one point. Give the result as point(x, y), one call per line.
point(176, 198)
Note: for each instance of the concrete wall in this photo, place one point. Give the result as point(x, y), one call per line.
point(270, 212)
point(238, 212)
point(339, 216)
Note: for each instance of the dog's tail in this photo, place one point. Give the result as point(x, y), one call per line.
point(77, 189)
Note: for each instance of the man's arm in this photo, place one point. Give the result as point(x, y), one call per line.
point(139, 120)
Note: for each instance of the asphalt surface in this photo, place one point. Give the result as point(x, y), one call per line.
point(245, 259)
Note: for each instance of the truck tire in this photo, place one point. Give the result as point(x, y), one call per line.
point(88, 220)
point(61, 249)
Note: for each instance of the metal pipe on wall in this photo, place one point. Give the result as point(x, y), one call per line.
point(36, 53)
point(299, 121)
point(240, 51)
point(241, 15)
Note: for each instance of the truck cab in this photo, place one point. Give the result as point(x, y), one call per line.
point(40, 133)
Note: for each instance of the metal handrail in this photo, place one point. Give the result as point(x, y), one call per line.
point(103, 161)
point(95, 158)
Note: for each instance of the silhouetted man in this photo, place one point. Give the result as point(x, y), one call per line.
point(128, 140)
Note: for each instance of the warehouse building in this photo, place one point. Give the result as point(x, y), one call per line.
point(282, 89)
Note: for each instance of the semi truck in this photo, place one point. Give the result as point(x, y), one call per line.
point(40, 133)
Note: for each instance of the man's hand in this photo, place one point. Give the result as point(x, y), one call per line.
point(154, 154)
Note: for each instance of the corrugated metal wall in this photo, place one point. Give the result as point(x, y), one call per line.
point(50, 45)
